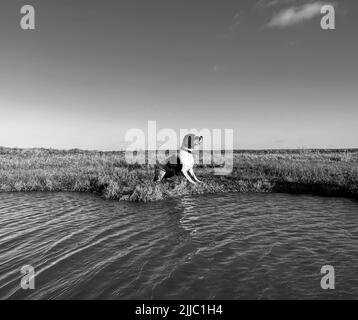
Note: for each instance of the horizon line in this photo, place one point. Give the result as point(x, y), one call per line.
point(172, 150)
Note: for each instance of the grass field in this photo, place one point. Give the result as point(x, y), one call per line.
point(320, 172)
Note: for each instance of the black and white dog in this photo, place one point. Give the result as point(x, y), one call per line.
point(182, 164)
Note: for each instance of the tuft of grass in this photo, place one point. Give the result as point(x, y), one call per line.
point(321, 172)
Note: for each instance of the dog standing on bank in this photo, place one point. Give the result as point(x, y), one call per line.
point(182, 164)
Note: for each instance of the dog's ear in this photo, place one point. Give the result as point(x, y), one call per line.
point(189, 142)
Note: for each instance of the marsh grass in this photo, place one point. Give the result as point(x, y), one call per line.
point(321, 172)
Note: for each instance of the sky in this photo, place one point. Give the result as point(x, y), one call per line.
point(92, 70)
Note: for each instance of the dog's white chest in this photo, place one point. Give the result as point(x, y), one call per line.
point(186, 159)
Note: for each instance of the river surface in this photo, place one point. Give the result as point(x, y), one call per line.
point(227, 246)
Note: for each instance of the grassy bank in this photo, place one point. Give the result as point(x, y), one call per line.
point(321, 172)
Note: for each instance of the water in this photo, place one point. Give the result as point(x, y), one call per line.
point(232, 246)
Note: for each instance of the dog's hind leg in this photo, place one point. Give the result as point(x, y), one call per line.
point(159, 174)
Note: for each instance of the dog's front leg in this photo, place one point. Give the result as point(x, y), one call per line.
point(191, 171)
point(185, 173)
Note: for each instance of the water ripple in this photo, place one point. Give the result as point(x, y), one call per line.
point(229, 246)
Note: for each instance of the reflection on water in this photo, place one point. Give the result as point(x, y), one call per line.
point(229, 246)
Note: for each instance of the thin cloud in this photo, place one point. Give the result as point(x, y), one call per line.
point(295, 15)
point(264, 4)
point(235, 22)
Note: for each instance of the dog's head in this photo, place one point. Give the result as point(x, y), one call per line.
point(191, 140)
